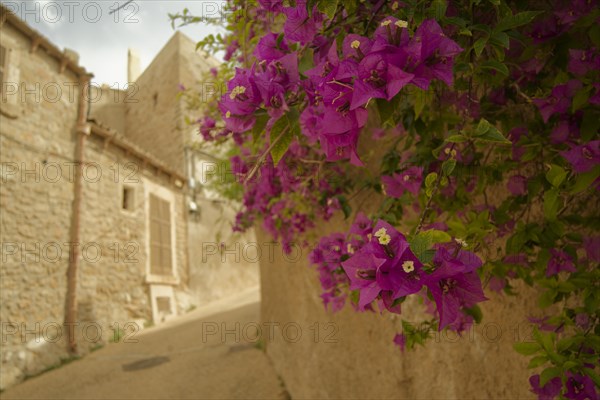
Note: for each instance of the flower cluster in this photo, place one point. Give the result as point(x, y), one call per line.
point(381, 267)
point(473, 122)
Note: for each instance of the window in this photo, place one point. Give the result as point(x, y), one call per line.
point(160, 237)
point(128, 198)
point(163, 305)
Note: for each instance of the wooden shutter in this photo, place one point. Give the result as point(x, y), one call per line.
point(160, 237)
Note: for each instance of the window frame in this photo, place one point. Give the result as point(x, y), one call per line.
point(167, 195)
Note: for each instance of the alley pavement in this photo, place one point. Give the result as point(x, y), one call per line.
point(190, 357)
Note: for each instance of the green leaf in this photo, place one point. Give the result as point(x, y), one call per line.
point(431, 179)
point(537, 361)
point(259, 126)
point(437, 236)
point(565, 343)
point(592, 374)
point(585, 180)
point(422, 97)
point(546, 339)
point(475, 312)
point(496, 66)
point(527, 349)
point(419, 244)
point(500, 39)
point(307, 60)
point(590, 125)
point(488, 132)
point(483, 126)
point(328, 7)
point(547, 299)
point(556, 175)
point(514, 21)
point(548, 374)
point(282, 133)
point(580, 99)
point(456, 139)
point(439, 8)
point(480, 45)
point(448, 166)
point(551, 204)
point(386, 111)
point(569, 365)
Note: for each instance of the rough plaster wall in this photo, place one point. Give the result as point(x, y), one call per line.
point(214, 275)
point(35, 209)
point(356, 358)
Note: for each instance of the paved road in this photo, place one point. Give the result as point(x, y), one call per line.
point(168, 362)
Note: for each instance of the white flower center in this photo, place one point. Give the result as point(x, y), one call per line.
point(401, 24)
point(228, 114)
point(386, 22)
point(355, 44)
point(462, 242)
point(385, 239)
point(381, 232)
point(237, 90)
point(408, 266)
point(350, 249)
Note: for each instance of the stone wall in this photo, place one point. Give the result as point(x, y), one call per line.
point(114, 269)
point(36, 192)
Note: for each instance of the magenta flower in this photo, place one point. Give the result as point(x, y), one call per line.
point(517, 185)
point(362, 227)
point(580, 387)
point(516, 259)
point(231, 49)
point(592, 248)
point(542, 324)
point(583, 157)
point(583, 61)
point(299, 26)
point(269, 49)
point(271, 5)
point(386, 263)
point(497, 284)
point(400, 341)
point(547, 392)
point(240, 101)
point(409, 180)
point(559, 100)
point(378, 78)
point(356, 47)
point(563, 131)
point(434, 52)
point(454, 284)
point(560, 261)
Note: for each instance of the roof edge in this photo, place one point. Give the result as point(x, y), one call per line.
point(7, 16)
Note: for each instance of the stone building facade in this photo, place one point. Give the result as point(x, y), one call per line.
point(98, 233)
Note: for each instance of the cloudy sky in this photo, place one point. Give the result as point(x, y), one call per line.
point(102, 35)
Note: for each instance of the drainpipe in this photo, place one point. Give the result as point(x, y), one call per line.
point(82, 131)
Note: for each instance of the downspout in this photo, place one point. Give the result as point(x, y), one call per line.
point(82, 130)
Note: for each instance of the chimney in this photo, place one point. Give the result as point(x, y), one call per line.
point(133, 65)
point(71, 55)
